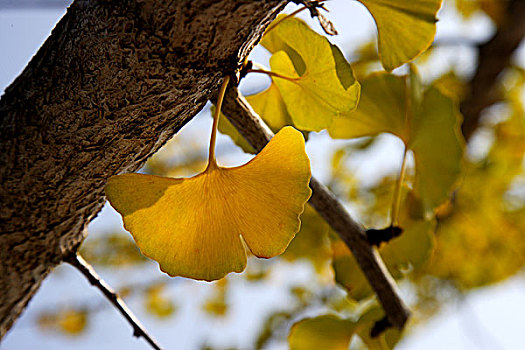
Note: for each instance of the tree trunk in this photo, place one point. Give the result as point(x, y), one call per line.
point(112, 84)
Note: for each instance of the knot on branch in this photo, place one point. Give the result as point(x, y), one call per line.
point(377, 236)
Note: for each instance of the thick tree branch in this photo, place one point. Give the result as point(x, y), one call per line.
point(114, 81)
point(494, 56)
point(253, 129)
point(87, 270)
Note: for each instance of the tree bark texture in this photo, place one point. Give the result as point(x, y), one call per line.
point(114, 81)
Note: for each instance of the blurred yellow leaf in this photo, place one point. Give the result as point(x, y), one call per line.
point(216, 305)
point(192, 226)
point(156, 302)
point(495, 9)
point(327, 332)
point(70, 320)
point(405, 28)
point(112, 249)
point(331, 332)
point(451, 85)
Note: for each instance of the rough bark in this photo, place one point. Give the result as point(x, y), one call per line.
point(112, 84)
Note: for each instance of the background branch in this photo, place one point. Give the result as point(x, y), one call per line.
point(87, 270)
point(494, 56)
point(253, 129)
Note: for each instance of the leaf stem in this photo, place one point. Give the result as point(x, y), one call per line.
point(87, 270)
point(212, 162)
point(396, 201)
point(272, 74)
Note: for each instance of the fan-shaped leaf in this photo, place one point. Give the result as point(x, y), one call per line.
point(320, 82)
point(193, 226)
point(431, 129)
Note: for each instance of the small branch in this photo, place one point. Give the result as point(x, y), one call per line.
point(87, 270)
point(253, 129)
point(276, 22)
point(313, 6)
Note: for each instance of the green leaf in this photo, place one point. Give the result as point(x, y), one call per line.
point(431, 129)
point(381, 109)
point(320, 82)
point(437, 144)
point(405, 28)
point(327, 332)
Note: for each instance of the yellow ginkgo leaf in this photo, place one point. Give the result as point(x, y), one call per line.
point(192, 227)
point(278, 40)
point(313, 77)
point(405, 28)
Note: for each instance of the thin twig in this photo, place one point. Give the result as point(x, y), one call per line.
point(253, 129)
point(87, 270)
point(275, 23)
